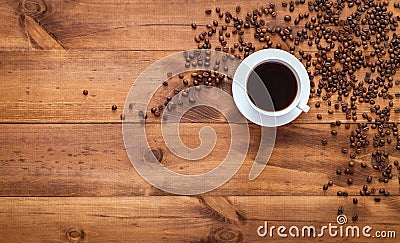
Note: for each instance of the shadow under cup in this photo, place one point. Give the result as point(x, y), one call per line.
point(272, 86)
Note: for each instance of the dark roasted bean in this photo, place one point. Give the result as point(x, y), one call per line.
point(287, 18)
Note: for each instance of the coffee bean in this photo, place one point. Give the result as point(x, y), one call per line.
point(85, 92)
point(130, 106)
point(194, 26)
point(324, 141)
point(238, 8)
point(369, 179)
point(325, 187)
point(319, 116)
point(140, 114)
point(355, 217)
point(377, 199)
point(287, 18)
point(339, 193)
point(114, 107)
point(338, 171)
point(351, 163)
point(208, 11)
point(355, 200)
point(330, 183)
point(152, 154)
point(165, 83)
point(349, 181)
point(334, 132)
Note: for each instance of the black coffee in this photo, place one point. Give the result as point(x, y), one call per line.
point(277, 80)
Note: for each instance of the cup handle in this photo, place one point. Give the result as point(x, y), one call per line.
point(303, 106)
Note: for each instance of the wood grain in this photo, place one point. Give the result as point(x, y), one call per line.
point(46, 87)
point(90, 160)
point(177, 219)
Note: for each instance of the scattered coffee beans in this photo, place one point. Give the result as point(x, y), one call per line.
point(337, 43)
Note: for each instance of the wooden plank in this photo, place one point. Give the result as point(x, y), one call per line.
point(131, 25)
point(46, 87)
point(177, 219)
point(90, 160)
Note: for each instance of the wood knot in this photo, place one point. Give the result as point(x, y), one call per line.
point(226, 235)
point(75, 235)
point(154, 155)
point(32, 8)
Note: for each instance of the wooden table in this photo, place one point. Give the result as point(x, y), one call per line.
point(65, 175)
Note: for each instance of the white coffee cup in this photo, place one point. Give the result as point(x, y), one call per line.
point(264, 117)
